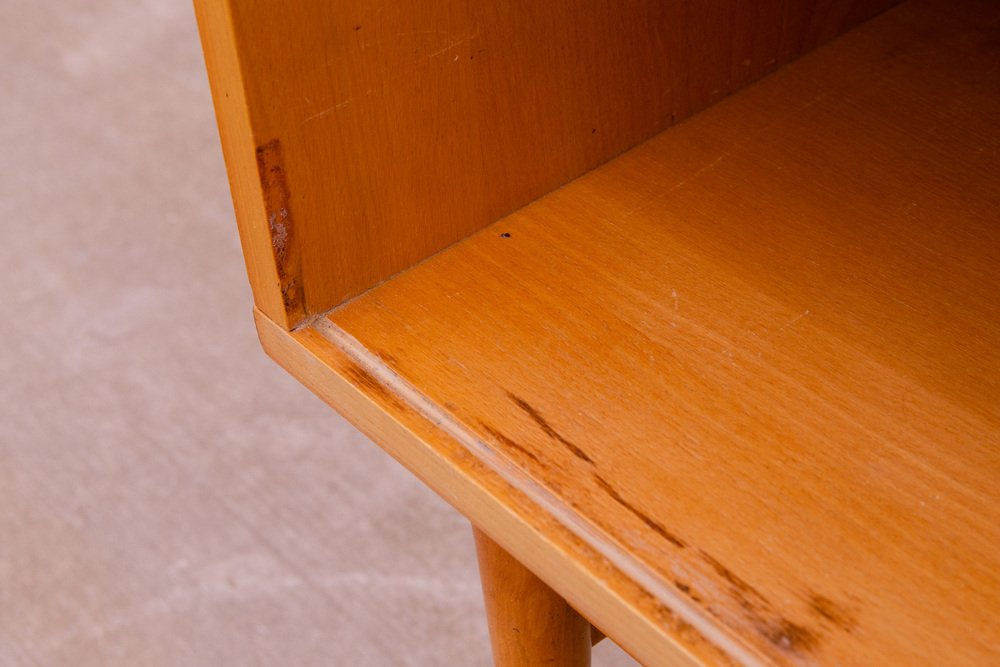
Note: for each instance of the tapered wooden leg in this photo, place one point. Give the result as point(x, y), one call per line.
point(530, 624)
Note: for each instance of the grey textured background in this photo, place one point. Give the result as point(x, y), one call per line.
point(168, 496)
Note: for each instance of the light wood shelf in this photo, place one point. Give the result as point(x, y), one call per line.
point(736, 393)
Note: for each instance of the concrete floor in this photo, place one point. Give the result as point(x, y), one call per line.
point(168, 496)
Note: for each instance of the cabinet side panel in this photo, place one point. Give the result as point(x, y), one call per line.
point(405, 127)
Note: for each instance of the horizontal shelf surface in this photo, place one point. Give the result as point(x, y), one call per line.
point(754, 362)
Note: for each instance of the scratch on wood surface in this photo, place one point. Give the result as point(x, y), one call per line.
point(389, 82)
point(449, 47)
point(416, 33)
point(326, 112)
point(732, 149)
point(792, 321)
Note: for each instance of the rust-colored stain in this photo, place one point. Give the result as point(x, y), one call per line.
point(278, 208)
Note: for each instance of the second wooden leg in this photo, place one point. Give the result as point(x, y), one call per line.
point(530, 624)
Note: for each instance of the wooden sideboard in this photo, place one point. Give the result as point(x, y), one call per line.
point(718, 374)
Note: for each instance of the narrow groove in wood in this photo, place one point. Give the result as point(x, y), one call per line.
point(636, 571)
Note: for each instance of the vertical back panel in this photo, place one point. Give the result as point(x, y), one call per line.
point(393, 130)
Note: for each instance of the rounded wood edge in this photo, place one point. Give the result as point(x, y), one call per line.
point(559, 558)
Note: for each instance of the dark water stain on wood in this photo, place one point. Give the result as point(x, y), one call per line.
point(508, 442)
point(367, 382)
point(736, 582)
point(656, 526)
point(278, 208)
point(788, 636)
point(779, 631)
point(547, 428)
point(686, 589)
point(387, 359)
point(832, 612)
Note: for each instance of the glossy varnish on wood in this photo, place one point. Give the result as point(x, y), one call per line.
point(530, 624)
point(736, 394)
point(403, 127)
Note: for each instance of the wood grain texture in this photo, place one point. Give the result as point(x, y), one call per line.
point(404, 128)
point(495, 496)
point(530, 624)
point(218, 42)
point(748, 372)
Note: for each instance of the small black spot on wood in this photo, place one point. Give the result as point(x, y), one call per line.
point(505, 235)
